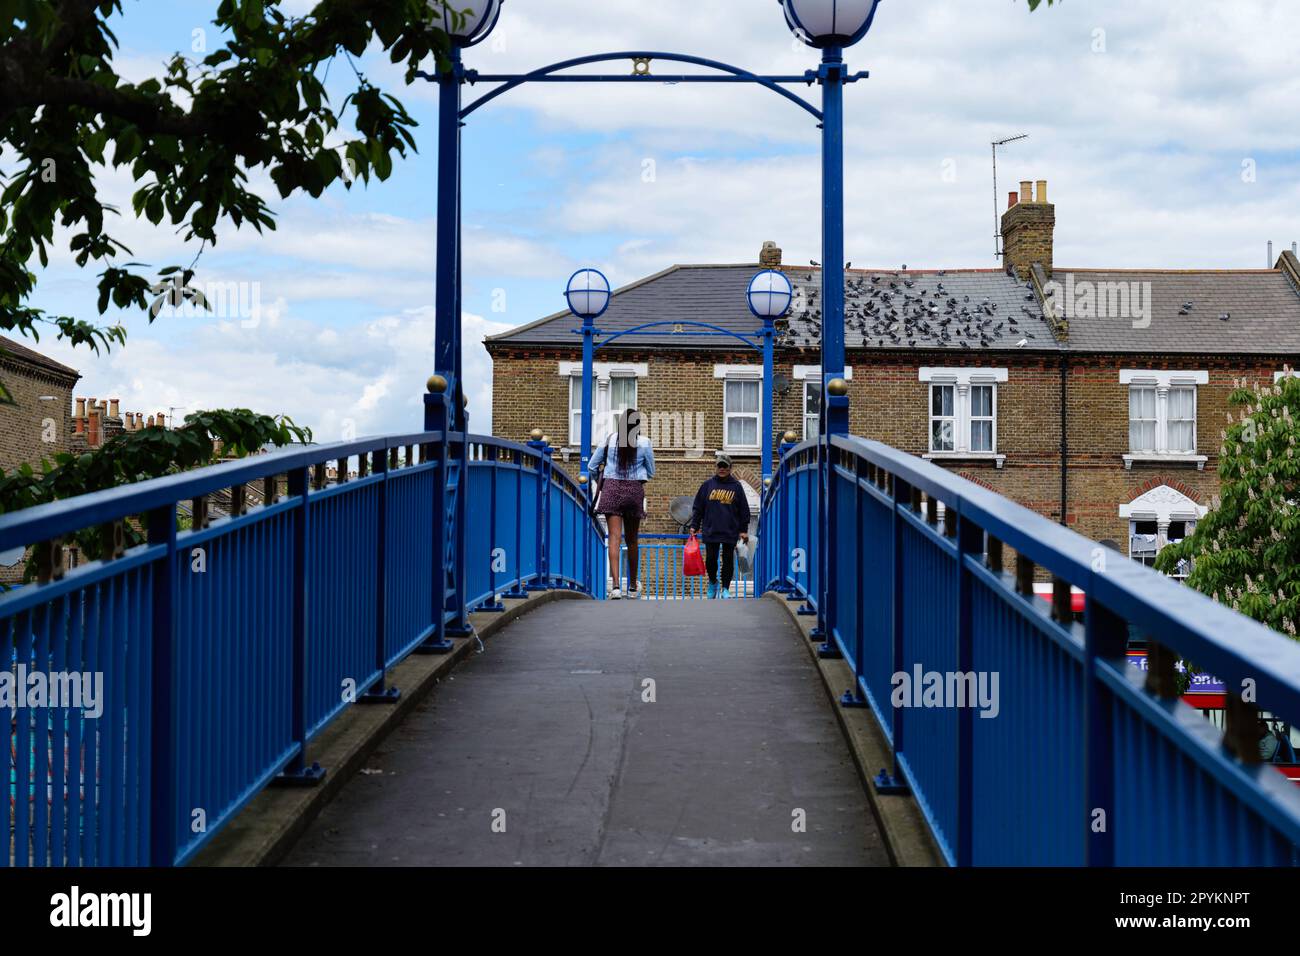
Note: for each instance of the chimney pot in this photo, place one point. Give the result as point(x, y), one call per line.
point(162, 419)
point(1012, 199)
point(1028, 229)
point(113, 406)
point(770, 255)
point(81, 408)
point(78, 426)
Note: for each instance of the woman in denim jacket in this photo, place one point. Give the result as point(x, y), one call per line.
point(628, 460)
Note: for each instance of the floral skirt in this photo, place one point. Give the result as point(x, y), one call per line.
point(621, 497)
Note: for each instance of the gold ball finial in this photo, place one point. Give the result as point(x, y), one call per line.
point(767, 482)
point(436, 385)
point(546, 439)
point(837, 386)
point(789, 437)
point(535, 434)
point(582, 479)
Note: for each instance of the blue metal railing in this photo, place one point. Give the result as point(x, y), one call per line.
point(660, 570)
point(1085, 762)
point(224, 649)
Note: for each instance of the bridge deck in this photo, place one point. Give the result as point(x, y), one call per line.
point(549, 726)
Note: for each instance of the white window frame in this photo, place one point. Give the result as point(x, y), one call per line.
point(961, 380)
point(1163, 505)
point(812, 374)
point(1163, 380)
point(741, 373)
point(601, 396)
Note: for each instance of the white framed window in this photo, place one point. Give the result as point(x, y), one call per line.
point(742, 413)
point(943, 417)
point(812, 408)
point(811, 377)
point(1162, 414)
point(613, 390)
point(742, 406)
point(1146, 539)
point(1158, 518)
point(963, 411)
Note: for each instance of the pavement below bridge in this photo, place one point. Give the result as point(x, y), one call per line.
point(543, 751)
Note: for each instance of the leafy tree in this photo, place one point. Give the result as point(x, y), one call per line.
point(138, 455)
point(1246, 551)
point(189, 137)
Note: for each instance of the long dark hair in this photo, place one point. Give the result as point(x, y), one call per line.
point(629, 430)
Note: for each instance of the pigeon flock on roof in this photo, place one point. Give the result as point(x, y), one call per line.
point(961, 310)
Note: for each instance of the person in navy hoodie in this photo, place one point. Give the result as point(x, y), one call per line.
point(720, 517)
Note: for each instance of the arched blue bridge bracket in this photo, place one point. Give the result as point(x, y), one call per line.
point(734, 74)
point(716, 329)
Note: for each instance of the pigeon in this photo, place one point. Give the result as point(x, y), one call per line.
point(1225, 317)
point(814, 263)
point(1022, 343)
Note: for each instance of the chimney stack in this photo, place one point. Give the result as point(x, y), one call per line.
point(1028, 229)
point(770, 256)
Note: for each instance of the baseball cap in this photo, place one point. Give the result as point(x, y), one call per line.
point(723, 460)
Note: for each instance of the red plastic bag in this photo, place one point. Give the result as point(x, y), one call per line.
point(692, 560)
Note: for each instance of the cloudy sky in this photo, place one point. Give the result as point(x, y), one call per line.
point(1164, 127)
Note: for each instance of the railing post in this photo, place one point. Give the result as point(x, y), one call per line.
point(517, 591)
point(459, 625)
point(380, 693)
point(970, 545)
point(493, 602)
point(830, 556)
point(1105, 637)
point(893, 781)
point(298, 773)
point(542, 511)
point(436, 418)
point(853, 697)
point(162, 693)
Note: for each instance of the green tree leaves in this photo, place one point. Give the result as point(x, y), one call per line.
point(189, 137)
point(1246, 551)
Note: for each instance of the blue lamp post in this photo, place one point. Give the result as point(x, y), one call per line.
point(830, 26)
point(769, 297)
point(588, 293)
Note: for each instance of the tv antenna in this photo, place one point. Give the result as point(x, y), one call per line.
point(997, 221)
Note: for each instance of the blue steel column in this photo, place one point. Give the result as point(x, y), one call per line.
point(446, 359)
point(447, 320)
point(769, 397)
point(588, 356)
point(835, 408)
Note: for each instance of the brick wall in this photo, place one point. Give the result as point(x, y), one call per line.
point(31, 429)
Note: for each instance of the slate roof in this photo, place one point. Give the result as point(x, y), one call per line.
point(9, 349)
point(701, 293)
point(950, 310)
point(947, 310)
point(1204, 311)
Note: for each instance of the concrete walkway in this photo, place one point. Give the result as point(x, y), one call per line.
point(546, 735)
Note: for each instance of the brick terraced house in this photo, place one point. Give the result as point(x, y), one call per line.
point(1094, 397)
